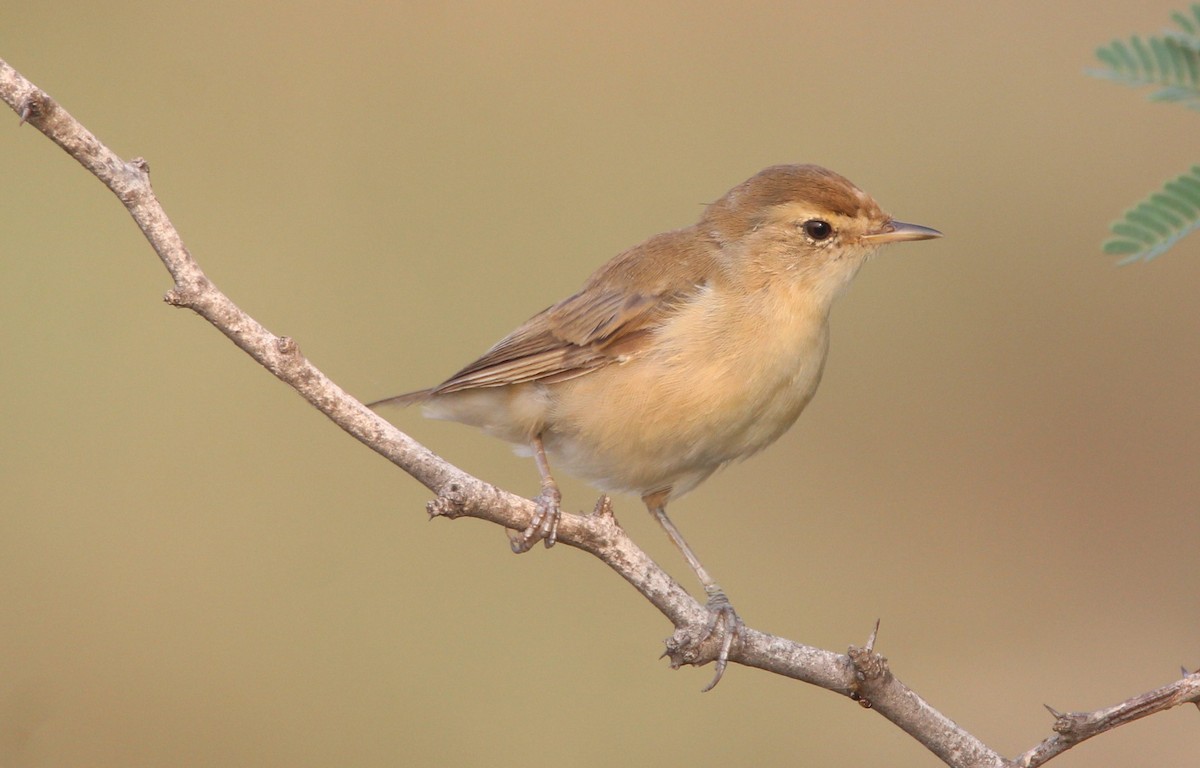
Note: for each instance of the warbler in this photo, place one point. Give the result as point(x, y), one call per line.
point(693, 349)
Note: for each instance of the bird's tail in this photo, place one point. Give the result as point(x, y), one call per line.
point(409, 398)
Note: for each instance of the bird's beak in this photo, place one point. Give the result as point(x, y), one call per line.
point(898, 231)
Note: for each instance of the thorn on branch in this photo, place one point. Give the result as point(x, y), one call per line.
point(36, 106)
point(31, 108)
point(603, 508)
point(1069, 725)
point(870, 669)
point(869, 666)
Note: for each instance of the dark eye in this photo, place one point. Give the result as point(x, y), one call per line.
point(817, 229)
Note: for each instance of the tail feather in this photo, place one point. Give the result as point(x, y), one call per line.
point(409, 398)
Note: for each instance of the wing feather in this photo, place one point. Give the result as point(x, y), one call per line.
point(613, 318)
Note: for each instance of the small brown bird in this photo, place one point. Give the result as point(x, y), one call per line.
point(694, 349)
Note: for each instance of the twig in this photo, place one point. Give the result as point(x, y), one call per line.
point(1070, 728)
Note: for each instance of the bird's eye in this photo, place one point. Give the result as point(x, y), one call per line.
point(818, 229)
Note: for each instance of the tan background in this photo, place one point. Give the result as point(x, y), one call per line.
point(197, 569)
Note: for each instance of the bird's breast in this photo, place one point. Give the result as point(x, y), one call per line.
point(724, 378)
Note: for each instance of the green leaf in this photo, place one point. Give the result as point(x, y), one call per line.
point(1107, 57)
point(1176, 93)
point(1164, 200)
point(1154, 225)
point(1167, 218)
point(1190, 186)
point(1170, 61)
point(1184, 22)
point(1117, 246)
point(1126, 228)
point(1183, 39)
point(1125, 60)
point(1145, 59)
point(1192, 64)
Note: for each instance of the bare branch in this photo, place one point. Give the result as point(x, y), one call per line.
point(861, 674)
point(1070, 728)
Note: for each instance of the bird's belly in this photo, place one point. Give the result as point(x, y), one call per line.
point(672, 420)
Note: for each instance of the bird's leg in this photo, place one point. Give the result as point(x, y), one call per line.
point(722, 617)
point(544, 524)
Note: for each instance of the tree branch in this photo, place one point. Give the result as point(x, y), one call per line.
point(1070, 728)
point(861, 673)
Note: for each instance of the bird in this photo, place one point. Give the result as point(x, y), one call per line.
point(691, 350)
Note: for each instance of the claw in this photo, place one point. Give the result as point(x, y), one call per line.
point(723, 619)
point(543, 526)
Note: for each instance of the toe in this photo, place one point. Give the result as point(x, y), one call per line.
point(543, 526)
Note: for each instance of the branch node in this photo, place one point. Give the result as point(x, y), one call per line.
point(869, 666)
point(600, 529)
point(693, 645)
point(449, 504)
point(188, 294)
point(140, 165)
point(1069, 725)
point(681, 648)
point(287, 346)
point(870, 669)
point(33, 107)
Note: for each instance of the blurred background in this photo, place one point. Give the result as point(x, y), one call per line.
point(196, 568)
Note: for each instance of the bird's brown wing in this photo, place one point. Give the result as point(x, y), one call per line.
point(611, 319)
point(578, 335)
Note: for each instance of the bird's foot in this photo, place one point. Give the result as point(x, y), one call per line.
point(543, 526)
point(713, 643)
point(724, 624)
